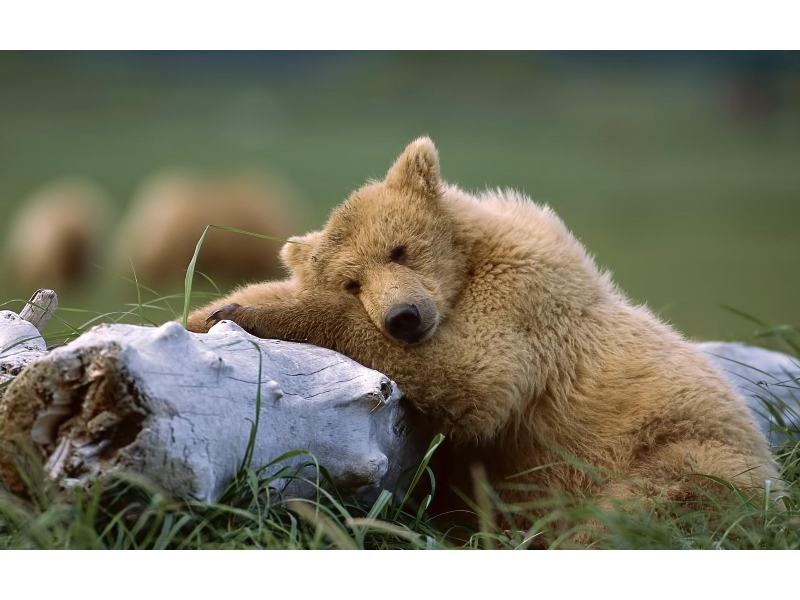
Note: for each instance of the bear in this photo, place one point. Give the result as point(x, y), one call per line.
point(58, 233)
point(506, 337)
point(169, 213)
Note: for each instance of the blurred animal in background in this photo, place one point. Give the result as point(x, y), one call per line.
point(751, 101)
point(57, 234)
point(168, 215)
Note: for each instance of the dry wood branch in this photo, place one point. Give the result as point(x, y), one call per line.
point(40, 308)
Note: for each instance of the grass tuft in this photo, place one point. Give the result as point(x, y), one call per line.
point(124, 511)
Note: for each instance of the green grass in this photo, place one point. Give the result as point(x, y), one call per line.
point(127, 512)
point(689, 211)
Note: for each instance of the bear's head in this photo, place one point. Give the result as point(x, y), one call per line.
point(392, 247)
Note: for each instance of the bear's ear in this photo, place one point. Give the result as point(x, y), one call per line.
point(299, 249)
point(417, 169)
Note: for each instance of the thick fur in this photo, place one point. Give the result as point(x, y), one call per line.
point(529, 351)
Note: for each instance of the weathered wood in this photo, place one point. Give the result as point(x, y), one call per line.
point(20, 343)
point(40, 308)
point(178, 408)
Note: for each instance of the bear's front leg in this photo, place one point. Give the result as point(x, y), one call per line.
point(255, 308)
point(273, 310)
point(250, 318)
point(278, 321)
point(223, 313)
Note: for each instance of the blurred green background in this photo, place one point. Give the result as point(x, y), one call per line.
point(680, 171)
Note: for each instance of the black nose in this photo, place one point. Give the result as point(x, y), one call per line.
point(402, 323)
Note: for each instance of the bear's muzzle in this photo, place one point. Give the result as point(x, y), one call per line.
point(404, 323)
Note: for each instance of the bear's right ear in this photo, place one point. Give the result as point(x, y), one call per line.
point(417, 169)
point(298, 249)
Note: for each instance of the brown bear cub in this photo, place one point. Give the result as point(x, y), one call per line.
point(507, 338)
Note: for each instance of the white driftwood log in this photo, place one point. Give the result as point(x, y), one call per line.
point(20, 343)
point(40, 308)
point(20, 337)
point(177, 407)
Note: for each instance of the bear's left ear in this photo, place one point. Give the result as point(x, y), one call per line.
point(417, 169)
point(298, 250)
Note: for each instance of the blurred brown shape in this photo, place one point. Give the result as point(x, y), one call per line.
point(57, 233)
point(167, 217)
point(751, 101)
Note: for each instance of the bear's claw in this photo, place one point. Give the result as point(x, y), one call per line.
point(222, 313)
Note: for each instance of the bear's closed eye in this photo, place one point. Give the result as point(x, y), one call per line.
point(351, 286)
point(398, 254)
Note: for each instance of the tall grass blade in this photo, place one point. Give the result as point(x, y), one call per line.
point(187, 286)
point(323, 524)
point(421, 469)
